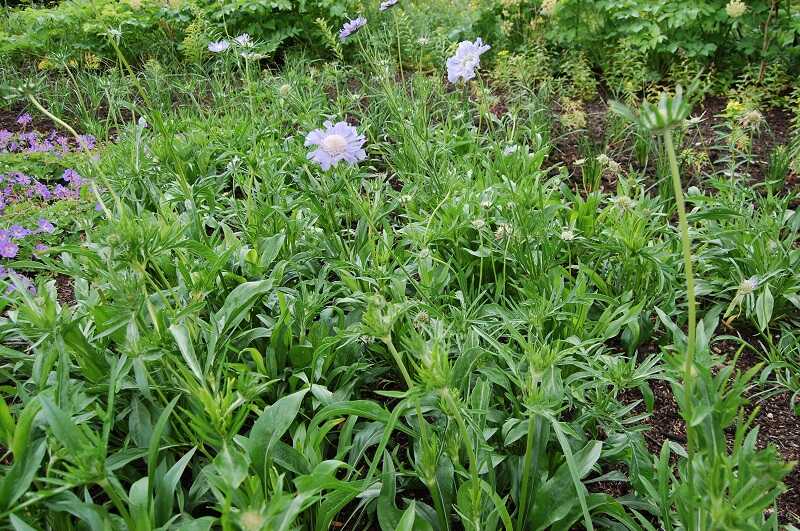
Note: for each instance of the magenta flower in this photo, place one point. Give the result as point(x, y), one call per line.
point(467, 59)
point(351, 27)
point(335, 143)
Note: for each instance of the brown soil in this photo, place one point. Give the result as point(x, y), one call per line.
point(66, 290)
point(777, 423)
point(776, 131)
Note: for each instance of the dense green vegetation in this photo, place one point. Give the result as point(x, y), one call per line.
point(558, 288)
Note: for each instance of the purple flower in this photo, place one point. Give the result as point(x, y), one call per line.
point(73, 178)
point(467, 58)
point(98, 207)
point(24, 119)
point(63, 142)
point(21, 178)
point(336, 142)
point(218, 46)
point(40, 248)
point(42, 190)
point(87, 141)
point(5, 138)
point(8, 249)
point(387, 4)
point(4, 236)
point(18, 232)
point(22, 279)
point(62, 192)
point(351, 27)
point(45, 226)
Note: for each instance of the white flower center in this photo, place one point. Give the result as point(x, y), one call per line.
point(334, 145)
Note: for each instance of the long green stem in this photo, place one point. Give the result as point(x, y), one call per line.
point(688, 374)
point(399, 361)
point(473, 458)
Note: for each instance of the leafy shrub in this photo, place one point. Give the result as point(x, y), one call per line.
point(151, 28)
point(702, 32)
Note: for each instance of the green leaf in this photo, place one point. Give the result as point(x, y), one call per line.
point(764, 307)
point(270, 427)
point(181, 335)
point(231, 466)
point(64, 429)
point(406, 523)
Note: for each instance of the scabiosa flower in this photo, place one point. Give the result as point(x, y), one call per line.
point(567, 234)
point(510, 150)
point(8, 249)
point(218, 46)
point(44, 225)
point(62, 192)
point(736, 8)
point(504, 230)
point(748, 286)
point(243, 40)
point(87, 141)
point(5, 137)
point(18, 232)
point(73, 178)
point(24, 119)
point(336, 142)
point(388, 4)
point(40, 248)
point(751, 119)
point(467, 59)
point(350, 27)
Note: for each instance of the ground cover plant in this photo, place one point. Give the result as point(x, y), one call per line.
point(399, 265)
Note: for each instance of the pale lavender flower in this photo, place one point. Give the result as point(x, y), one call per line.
point(62, 192)
point(73, 178)
point(387, 4)
point(243, 40)
point(40, 248)
point(352, 26)
point(218, 46)
point(44, 225)
point(5, 137)
point(18, 232)
point(24, 119)
point(335, 143)
point(87, 141)
point(42, 191)
point(8, 249)
point(4, 235)
point(467, 59)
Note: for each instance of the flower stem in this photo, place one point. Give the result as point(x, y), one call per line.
point(688, 368)
point(399, 361)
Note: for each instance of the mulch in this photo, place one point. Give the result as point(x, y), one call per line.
point(776, 132)
point(778, 425)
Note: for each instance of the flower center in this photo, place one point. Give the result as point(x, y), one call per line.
point(334, 145)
